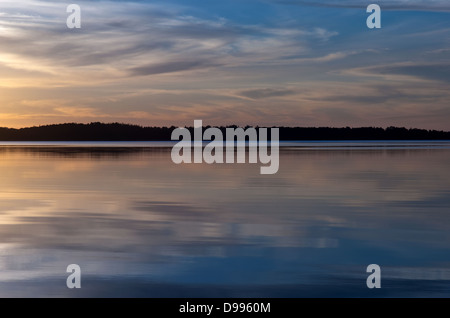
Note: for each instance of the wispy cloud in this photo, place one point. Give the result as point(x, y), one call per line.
point(435, 72)
point(266, 93)
point(398, 5)
point(169, 67)
point(264, 62)
point(126, 43)
point(416, 72)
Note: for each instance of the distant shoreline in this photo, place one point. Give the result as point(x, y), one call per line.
point(117, 132)
point(281, 143)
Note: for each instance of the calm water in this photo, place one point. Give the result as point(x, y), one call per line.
point(141, 226)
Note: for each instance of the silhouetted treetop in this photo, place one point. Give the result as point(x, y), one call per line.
point(125, 132)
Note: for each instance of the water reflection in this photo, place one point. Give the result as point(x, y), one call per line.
point(139, 225)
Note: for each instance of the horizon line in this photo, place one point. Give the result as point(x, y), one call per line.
point(222, 126)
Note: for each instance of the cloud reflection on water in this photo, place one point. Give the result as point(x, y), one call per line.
point(136, 223)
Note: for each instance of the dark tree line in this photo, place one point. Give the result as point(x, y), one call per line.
point(125, 132)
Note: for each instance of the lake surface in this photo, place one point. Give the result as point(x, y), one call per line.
point(139, 225)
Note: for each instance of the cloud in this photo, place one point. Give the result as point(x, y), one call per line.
point(167, 62)
point(169, 67)
point(384, 94)
point(439, 72)
point(435, 72)
point(266, 93)
point(86, 112)
point(440, 51)
point(396, 5)
point(123, 39)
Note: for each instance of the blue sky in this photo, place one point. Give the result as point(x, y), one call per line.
point(257, 62)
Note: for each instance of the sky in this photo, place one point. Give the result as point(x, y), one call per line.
point(246, 62)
